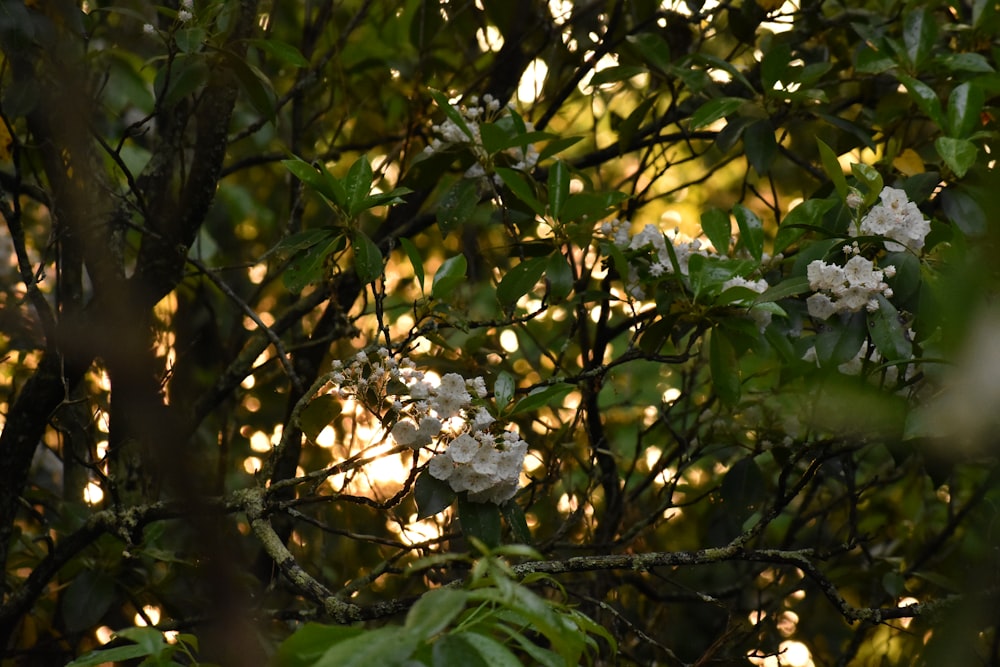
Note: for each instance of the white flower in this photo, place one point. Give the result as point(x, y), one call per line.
point(184, 16)
point(441, 466)
point(761, 316)
point(463, 448)
point(451, 396)
point(898, 219)
point(148, 29)
point(404, 433)
point(821, 306)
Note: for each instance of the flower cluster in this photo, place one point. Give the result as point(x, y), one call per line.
point(486, 466)
point(760, 315)
point(896, 218)
point(449, 413)
point(487, 110)
point(847, 288)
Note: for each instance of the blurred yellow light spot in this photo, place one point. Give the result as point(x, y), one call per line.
point(93, 494)
point(251, 464)
point(671, 395)
point(508, 340)
point(327, 437)
point(248, 382)
point(151, 612)
point(257, 273)
point(260, 442)
point(104, 634)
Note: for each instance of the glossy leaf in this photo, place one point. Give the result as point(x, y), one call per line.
point(449, 275)
point(724, 367)
point(432, 495)
point(714, 110)
point(416, 261)
point(367, 258)
point(542, 397)
point(479, 520)
point(717, 227)
point(559, 276)
point(751, 231)
point(958, 154)
point(357, 184)
point(964, 107)
point(381, 646)
point(434, 611)
point(519, 185)
point(888, 332)
point(305, 646)
point(503, 389)
point(520, 280)
point(558, 187)
point(457, 205)
point(832, 168)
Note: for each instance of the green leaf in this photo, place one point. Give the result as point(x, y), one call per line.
point(652, 48)
point(457, 205)
point(958, 154)
point(925, 97)
point(784, 289)
point(871, 179)
point(367, 258)
point(300, 241)
point(558, 187)
point(520, 280)
point(185, 74)
point(888, 333)
point(110, 656)
point(492, 652)
point(307, 644)
point(386, 647)
point(453, 649)
point(713, 110)
point(432, 495)
point(254, 83)
point(479, 520)
point(434, 611)
point(751, 231)
point(717, 227)
point(189, 40)
point(630, 126)
point(559, 275)
point(451, 112)
point(357, 185)
point(319, 414)
point(840, 341)
point(518, 185)
point(449, 275)
point(615, 74)
point(590, 205)
point(964, 106)
point(518, 523)
point(832, 168)
point(807, 214)
point(307, 268)
point(319, 180)
point(541, 398)
point(967, 62)
point(416, 261)
point(919, 33)
point(493, 137)
point(774, 65)
point(724, 367)
point(283, 51)
point(87, 599)
point(503, 389)
point(760, 145)
point(556, 146)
